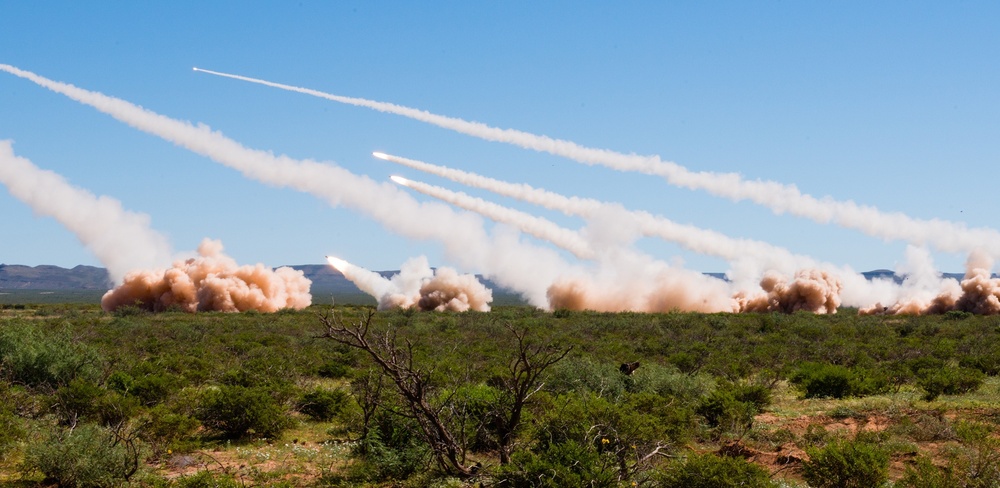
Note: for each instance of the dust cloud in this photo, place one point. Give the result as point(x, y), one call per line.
point(211, 281)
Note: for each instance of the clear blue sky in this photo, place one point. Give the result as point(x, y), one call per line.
point(891, 104)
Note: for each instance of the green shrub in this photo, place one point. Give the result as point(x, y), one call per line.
point(670, 383)
point(820, 380)
point(711, 471)
point(823, 380)
point(966, 468)
point(846, 464)
point(322, 404)
point(36, 359)
point(88, 456)
point(583, 374)
point(162, 427)
point(238, 412)
point(392, 449)
point(567, 463)
point(949, 381)
point(333, 369)
point(722, 409)
point(10, 426)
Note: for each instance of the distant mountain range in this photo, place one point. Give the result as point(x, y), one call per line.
point(45, 277)
point(326, 281)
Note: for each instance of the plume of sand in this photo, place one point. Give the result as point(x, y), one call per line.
point(121, 240)
point(212, 281)
point(810, 290)
point(629, 281)
point(978, 293)
point(519, 266)
point(780, 198)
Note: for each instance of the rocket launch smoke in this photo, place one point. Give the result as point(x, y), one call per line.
point(128, 247)
point(666, 288)
point(417, 286)
point(121, 240)
point(212, 281)
point(514, 264)
point(750, 258)
point(780, 198)
point(623, 278)
point(978, 293)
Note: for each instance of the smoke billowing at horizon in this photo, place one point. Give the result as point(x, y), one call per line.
point(522, 267)
point(419, 287)
point(978, 292)
point(212, 281)
point(780, 198)
point(121, 240)
point(610, 274)
point(749, 259)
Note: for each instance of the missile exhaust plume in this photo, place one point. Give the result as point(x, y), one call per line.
point(750, 258)
point(121, 240)
point(417, 286)
point(625, 279)
point(212, 281)
point(780, 198)
point(524, 268)
point(539, 227)
point(978, 292)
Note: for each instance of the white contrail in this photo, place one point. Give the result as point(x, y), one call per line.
point(537, 226)
point(121, 240)
point(624, 279)
point(369, 282)
point(694, 238)
point(417, 286)
point(781, 198)
point(750, 258)
point(519, 266)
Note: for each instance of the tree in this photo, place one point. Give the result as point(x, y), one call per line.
point(416, 387)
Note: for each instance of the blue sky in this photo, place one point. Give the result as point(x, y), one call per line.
point(891, 104)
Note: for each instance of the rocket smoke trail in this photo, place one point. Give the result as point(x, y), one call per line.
point(750, 258)
point(630, 280)
point(694, 238)
point(121, 240)
point(516, 265)
point(417, 286)
point(537, 226)
point(781, 198)
point(625, 279)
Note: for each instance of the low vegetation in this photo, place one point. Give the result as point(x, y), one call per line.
point(347, 396)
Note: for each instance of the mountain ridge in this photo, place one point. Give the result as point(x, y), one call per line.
point(325, 278)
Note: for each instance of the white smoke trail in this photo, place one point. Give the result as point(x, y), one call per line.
point(780, 198)
point(369, 282)
point(417, 286)
point(121, 240)
point(516, 265)
point(697, 239)
point(530, 224)
point(750, 259)
point(625, 279)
